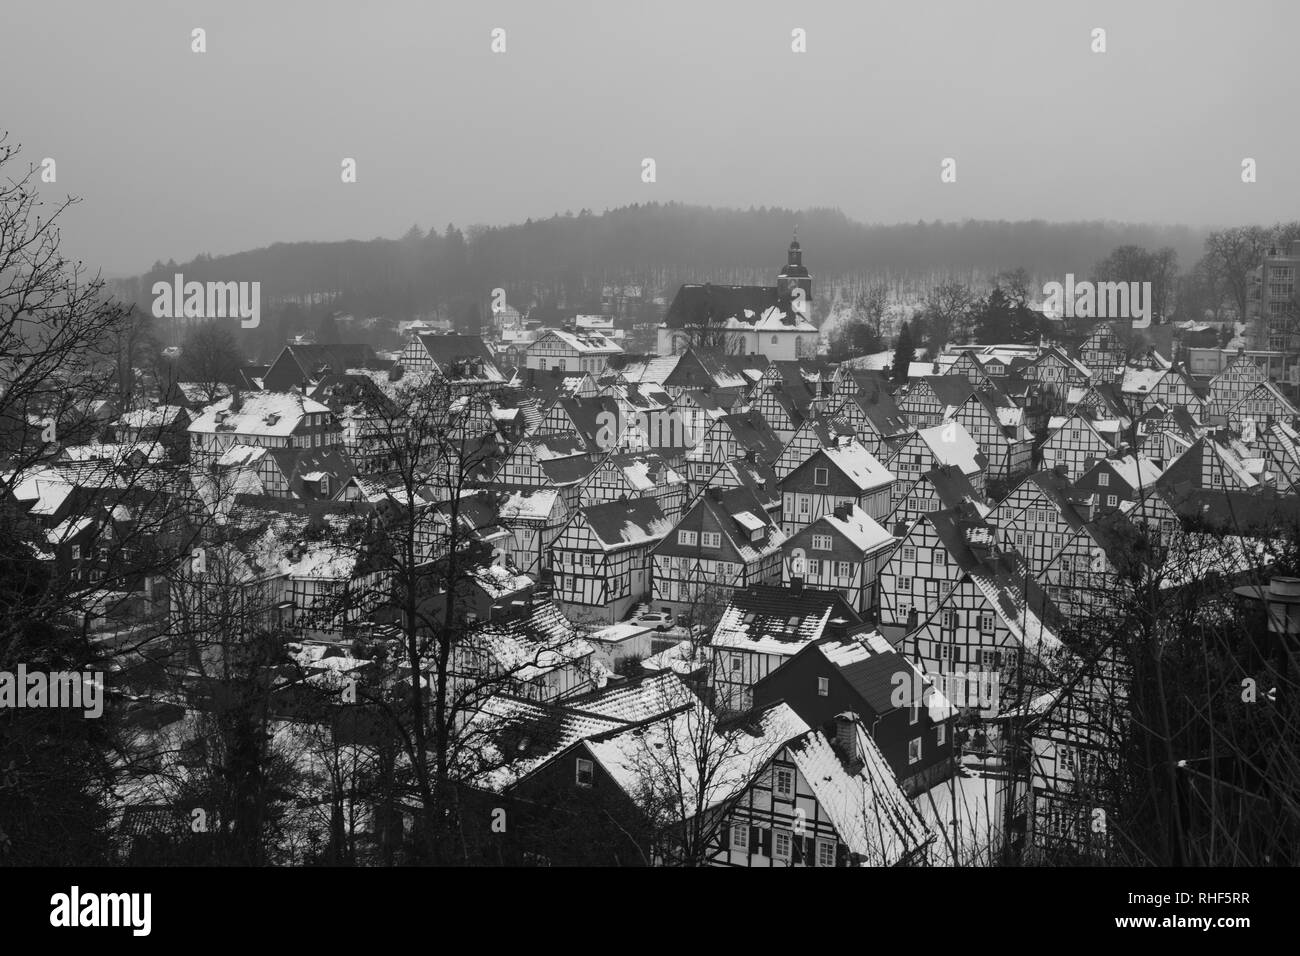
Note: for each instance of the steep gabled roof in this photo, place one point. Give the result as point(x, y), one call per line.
point(622, 524)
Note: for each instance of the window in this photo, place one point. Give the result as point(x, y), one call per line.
point(781, 844)
point(76, 552)
point(821, 542)
point(986, 622)
point(803, 504)
point(821, 477)
point(941, 734)
point(843, 569)
point(784, 783)
point(589, 559)
point(814, 567)
point(774, 340)
point(948, 620)
point(825, 853)
point(325, 485)
point(905, 585)
point(560, 364)
point(740, 836)
point(1103, 479)
point(823, 687)
point(686, 537)
point(586, 771)
point(987, 658)
point(1111, 501)
point(909, 554)
point(940, 556)
point(914, 750)
point(711, 539)
point(735, 664)
point(913, 715)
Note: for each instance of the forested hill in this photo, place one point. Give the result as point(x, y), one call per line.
point(653, 243)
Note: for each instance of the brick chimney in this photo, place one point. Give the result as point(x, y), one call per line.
point(846, 741)
point(796, 585)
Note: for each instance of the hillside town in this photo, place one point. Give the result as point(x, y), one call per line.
point(544, 596)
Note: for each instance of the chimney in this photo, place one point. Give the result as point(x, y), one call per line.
point(838, 628)
point(842, 512)
point(236, 399)
point(796, 585)
point(846, 741)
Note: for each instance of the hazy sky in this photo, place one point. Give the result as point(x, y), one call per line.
point(177, 153)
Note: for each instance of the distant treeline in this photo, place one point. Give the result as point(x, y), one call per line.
point(568, 258)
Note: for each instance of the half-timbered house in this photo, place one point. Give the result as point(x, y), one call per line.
point(946, 444)
point(843, 474)
point(762, 627)
point(725, 540)
point(600, 560)
point(866, 677)
point(928, 401)
point(844, 551)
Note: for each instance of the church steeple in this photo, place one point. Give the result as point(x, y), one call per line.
point(795, 272)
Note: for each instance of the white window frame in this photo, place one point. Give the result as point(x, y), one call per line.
point(823, 687)
point(740, 836)
point(914, 750)
point(940, 734)
point(825, 853)
point(783, 783)
point(589, 768)
point(687, 538)
point(782, 844)
point(711, 539)
point(821, 477)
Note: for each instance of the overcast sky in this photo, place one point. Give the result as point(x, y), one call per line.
point(177, 153)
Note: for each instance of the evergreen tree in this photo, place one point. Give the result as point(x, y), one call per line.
point(904, 353)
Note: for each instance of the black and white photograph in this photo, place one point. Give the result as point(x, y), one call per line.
point(695, 435)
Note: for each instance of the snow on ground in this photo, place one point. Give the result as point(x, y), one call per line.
point(976, 832)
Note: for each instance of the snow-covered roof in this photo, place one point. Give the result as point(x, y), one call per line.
point(535, 505)
point(1136, 471)
point(861, 530)
point(273, 414)
point(69, 528)
point(585, 342)
point(952, 444)
point(868, 809)
point(150, 417)
point(858, 464)
point(1140, 381)
point(657, 756)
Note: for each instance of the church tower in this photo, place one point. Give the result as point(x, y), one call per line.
point(794, 274)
